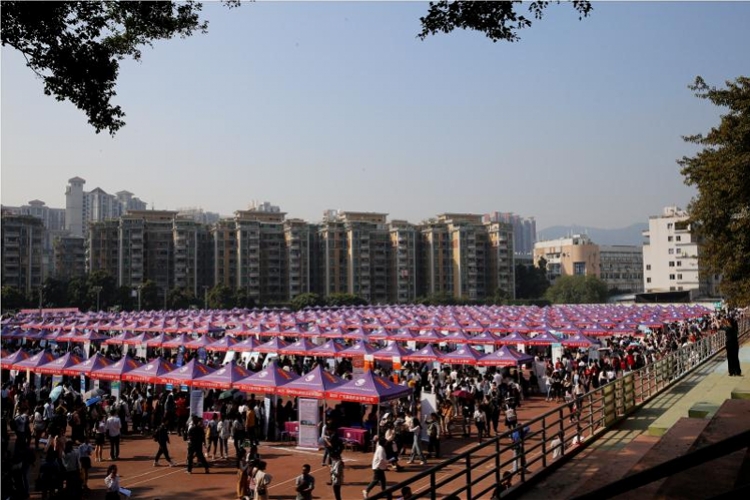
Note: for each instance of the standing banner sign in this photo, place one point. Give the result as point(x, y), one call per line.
point(267, 408)
point(114, 389)
point(308, 424)
point(86, 349)
point(429, 405)
point(196, 402)
point(83, 383)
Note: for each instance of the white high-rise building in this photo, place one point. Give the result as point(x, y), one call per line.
point(82, 207)
point(671, 256)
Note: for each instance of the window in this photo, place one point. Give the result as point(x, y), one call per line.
point(671, 251)
point(648, 267)
point(679, 276)
point(679, 263)
point(671, 263)
point(669, 238)
point(671, 276)
point(669, 225)
point(648, 280)
point(579, 268)
point(678, 250)
point(678, 238)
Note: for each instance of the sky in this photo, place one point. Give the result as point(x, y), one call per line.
point(332, 105)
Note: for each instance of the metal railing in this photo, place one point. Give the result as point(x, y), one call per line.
point(476, 473)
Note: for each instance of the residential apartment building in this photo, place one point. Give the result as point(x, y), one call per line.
point(82, 207)
point(224, 239)
point(333, 255)
point(436, 267)
point(261, 254)
point(573, 256)
point(671, 256)
point(298, 239)
point(22, 251)
point(524, 230)
point(102, 249)
point(69, 257)
point(403, 262)
point(621, 267)
point(193, 251)
point(501, 262)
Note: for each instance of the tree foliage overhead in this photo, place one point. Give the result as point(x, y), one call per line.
point(577, 290)
point(721, 172)
point(76, 47)
point(497, 20)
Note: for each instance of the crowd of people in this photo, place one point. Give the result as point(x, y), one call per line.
point(65, 434)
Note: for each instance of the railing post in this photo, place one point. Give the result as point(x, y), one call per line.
point(468, 477)
point(498, 476)
point(433, 488)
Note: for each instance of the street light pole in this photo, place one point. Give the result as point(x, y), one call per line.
point(98, 291)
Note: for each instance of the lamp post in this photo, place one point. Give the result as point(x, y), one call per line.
point(98, 291)
point(139, 287)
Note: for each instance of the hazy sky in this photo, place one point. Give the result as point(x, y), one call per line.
point(338, 105)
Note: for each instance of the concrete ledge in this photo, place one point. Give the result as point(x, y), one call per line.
point(740, 393)
point(703, 410)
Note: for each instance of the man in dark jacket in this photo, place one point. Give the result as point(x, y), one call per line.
point(196, 440)
point(161, 436)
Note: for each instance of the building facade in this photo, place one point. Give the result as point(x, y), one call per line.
point(83, 207)
point(573, 256)
point(671, 256)
point(524, 230)
point(621, 267)
point(22, 252)
point(69, 257)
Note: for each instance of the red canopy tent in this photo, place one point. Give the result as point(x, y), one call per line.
point(266, 381)
point(222, 378)
point(151, 372)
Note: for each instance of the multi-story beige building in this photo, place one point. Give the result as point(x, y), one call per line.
point(22, 252)
point(501, 270)
point(103, 247)
point(298, 236)
point(193, 249)
point(403, 262)
point(671, 256)
point(83, 207)
point(261, 254)
point(224, 237)
point(333, 256)
point(573, 256)
point(436, 276)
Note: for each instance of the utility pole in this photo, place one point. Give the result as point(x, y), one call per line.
point(98, 291)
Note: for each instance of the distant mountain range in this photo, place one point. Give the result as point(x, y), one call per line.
point(630, 235)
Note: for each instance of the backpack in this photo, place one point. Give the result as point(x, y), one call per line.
point(432, 429)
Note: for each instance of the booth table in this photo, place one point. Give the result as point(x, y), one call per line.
point(291, 430)
point(353, 436)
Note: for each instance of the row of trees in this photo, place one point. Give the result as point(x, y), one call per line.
point(99, 291)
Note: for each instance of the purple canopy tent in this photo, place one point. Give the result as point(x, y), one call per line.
point(369, 388)
point(314, 384)
point(391, 351)
point(116, 370)
point(223, 378)
point(328, 349)
point(464, 355)
point(505, 356)
point(151, 372)
point(425, 354)
point(266, 381)
point(186, 375)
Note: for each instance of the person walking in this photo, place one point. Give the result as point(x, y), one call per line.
point(416, 447)
point(433, 434)
point(261, 479)
point(304, 484)
point(196, 441)
point(84, 459)
point(479, 420)
point(113, 428)
point(100, 434)
point(161, 436)
point(379, 466)
point(337, 474)
point(213, 436)
point(225, 430)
